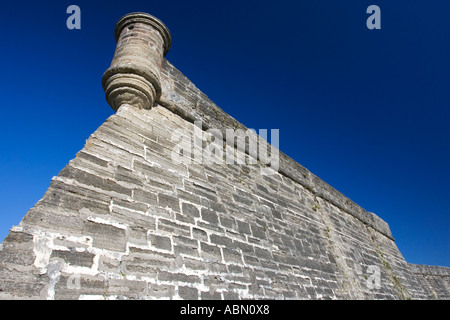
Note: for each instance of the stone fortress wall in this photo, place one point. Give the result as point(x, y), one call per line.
point(125, 220)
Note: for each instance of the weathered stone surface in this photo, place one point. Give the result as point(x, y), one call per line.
point(106, 236)
point(74, 258)
point(435, 280)
point(17, 249)
point(125, 220)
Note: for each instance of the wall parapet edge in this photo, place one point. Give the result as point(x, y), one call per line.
point(429, 270)
point(183, 98)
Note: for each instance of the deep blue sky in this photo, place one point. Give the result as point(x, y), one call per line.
point(366, 110)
